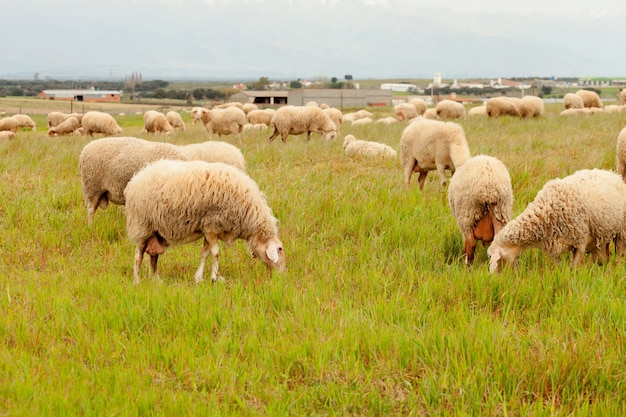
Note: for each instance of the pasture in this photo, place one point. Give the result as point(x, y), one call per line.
point(376, 314)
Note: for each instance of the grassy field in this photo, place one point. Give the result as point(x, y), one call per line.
point(376, 314)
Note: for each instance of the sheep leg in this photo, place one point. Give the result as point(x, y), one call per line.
point(274, 134)
point(153, 265)
point(441, 170)
point(408, 171)
point(422, 179)
point(468, 249)
point(139, 251)
point(578, 254)
point(211, 247)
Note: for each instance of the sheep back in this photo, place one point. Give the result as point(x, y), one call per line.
point(531, 106)
point(215, 151)
point(100, 122)
point(590, 98)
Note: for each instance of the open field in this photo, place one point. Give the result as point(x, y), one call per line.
point(376, 314)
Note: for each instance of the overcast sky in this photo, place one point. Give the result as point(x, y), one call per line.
point(294, 39)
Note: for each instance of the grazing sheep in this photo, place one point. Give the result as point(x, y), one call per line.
point(430, 114)
point(24, 120)
point(502, 106)
point(7, 134)
point(214, 151)
point(66, 127)
point(360, 114)
point(590, 98)
point(296, 120)
point(481, 198)
point(580, 213)
point(621, 154)
point(362, 121)
point(156, 122)
point(99, 122)
point(248, 107)
point(354, 147)
point(175, 119)
point(621, 96)
point(405, 111)
point(573, 101)
point(335, 115)
point(8, 123)
point(427, 145)
point(256, 126)
point(54, 118)
point(613, 108)
point(77, 116)
point(258, 116)
point(229, 105)
point(196, 114)
point(224, 121)
point(477, 111)
point(387, 120)
point(531, 106)
point(419, 104)
point(450, 109)
point(176, 202)
point(576, 112)
point(107, 164)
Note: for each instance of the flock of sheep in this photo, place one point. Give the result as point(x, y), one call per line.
point(178, 194)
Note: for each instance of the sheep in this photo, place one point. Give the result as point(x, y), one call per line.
point(419, 104)
point(621, 96)
point(156, 122)
point(7, 134)
point(581, 213)
point(176, 202)
point(79, 116)
point(196, 114)
point(229, 105)
point(621, 154)
point(360, 114)
point(214, 151)
point(175, 119)
point(405, 111)
point(478, 111)
point(613, 108)
point(66, 127)
point(99, 122)
point(9, 123)
point(430, 114)
point(226, 121)
point(573, 101)
point(590, 98)
point(387, 120)
point(481, 199)
point(502, 106)
point(450, 109)
point(335, 115)
point(24, 120)
point(362, 121)
point(256, 126)
point(260, 116)
point(574, 112)
point(531, 106)
point(248, 107)
point(107, 164)
point(354, 147)
point(54, 118)
point(295, 120)
point(427, 145)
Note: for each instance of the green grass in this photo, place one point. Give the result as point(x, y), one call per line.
point(376, 315)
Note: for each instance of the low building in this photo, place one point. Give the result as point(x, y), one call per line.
point(338, 98)
point(90, 95)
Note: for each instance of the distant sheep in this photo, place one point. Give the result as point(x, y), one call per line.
point(248, 107)
point(335, 115)
point(9, 123)
point(359, 114)
point(354, 147)
point(175, 119)
point(480, 111)
point(481, 199)
point(24, 120)
point(66, 127)
point(573, 101)
point(575, 112)
point(387, 120)
point(428, 145)
point(54, 118)
point(177, 202)
point(621, 154)
point(502, 106)
point(450, 109)
point(430, 114)
point(214, 151)
point(580, 213)
point(7, 134)
point(590, 98)
point(405, 111)
point(296, 120)
point(196, 114)
point(156, 122)
point(224, 121)
point(99, 122)
point(419, 104)
point(621, 96)
point(256, 126)
point(362, 121)
point(260, 116)
point(531, 106)
point(107, 164)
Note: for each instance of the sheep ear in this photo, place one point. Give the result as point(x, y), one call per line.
point(495, 258)
point(272, 252)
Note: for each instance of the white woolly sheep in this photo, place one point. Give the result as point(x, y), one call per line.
point(107, 164)
point(427, 145)
point(214, 151)
point(99, 122)
point(335, 115)
point(66, 127)
point(531, 106)
point(387, 120)
point(230, 104)
point(6, 134)
point(296, 120)
point(430, 113)
point(613, 108)
point(156, 122)
point(502, 106)
point(8, 123)
point(224, 121)
point(575, 112)
point(590, 98)
point(24, 120)
point(621, 96)
point(581, 213)
point(621, 154)
point(362, 121)
point(450, 109)
point(405, 111)
point(573, 101)
point(477, 111)
point(419, 104)
point(175, 119)
point(481, 199)
point(196, 114)
point(54, 118)
point(355, 147)
point(256, 126)
point(177, 202)
point(248, 107)
point(359, 114)
point(260, 116)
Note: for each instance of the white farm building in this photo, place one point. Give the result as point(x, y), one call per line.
point(399, 87)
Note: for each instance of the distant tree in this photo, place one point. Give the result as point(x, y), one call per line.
point(333, 80)
point(261, 84)
point(347, 77)
point(295, 84)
